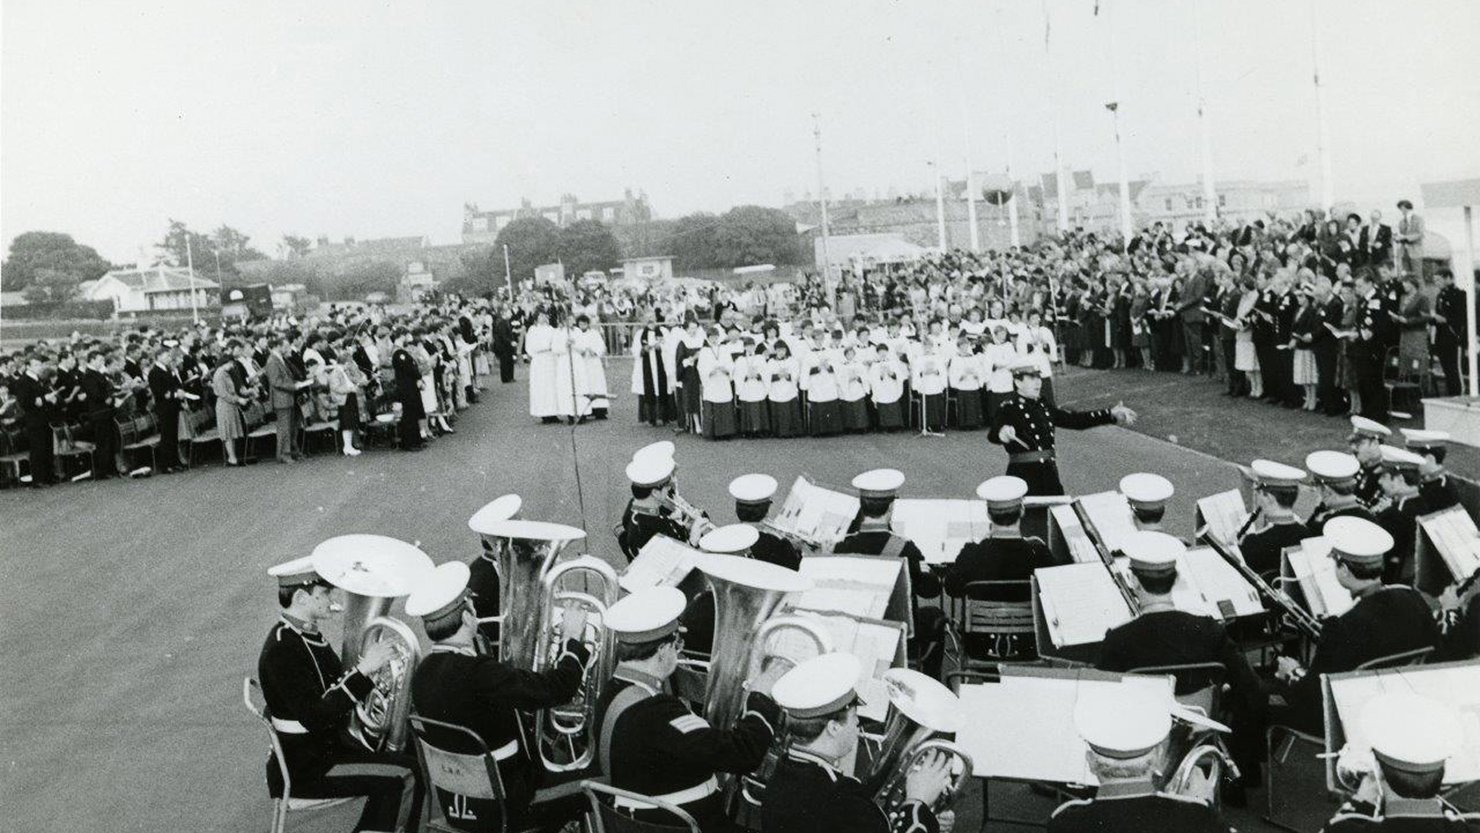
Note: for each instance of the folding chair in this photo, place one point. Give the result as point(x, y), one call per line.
point(13, 455)
point(285, 804)
point(1290, 735)
point(66, 448)
point(323, 428)
point(143, 436)
point(1006, 627)
point(262, 429)
point(1397, 379)
point(606, 818)
point(203, 432)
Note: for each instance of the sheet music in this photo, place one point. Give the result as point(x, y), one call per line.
point(1187, 596)
point(1023, 727)
point(1454, 535)
point(1110, 515)
point(877, 645)
point(1314, 570)
point(1080, 547)
point(1080, 602)
point(860, 586)
point(1223, 514)
point(940, 528)
point(1228, 591)
point(817, 512)
point(662, 562)
point(1457, 685)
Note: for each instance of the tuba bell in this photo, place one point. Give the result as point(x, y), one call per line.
point(568, 733)
point(746, 593)
point(1208, 763)
point(373, 571)
point(921, 710)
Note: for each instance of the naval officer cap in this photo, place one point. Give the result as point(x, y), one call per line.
point(1357, 541)
point(651, 471)
point(495, 512)
point(879, 483)
point(1414, 438)
point(296, 573)
point(753, 488)
point(1025, 366)
point(442, 593)
point(647, 615)
point(730, 539)
point(1144, 489)
point(1004, 492)
point(1273, 475)
point(661, 448)
point(820, 686)
point(1153, 553)
point(1411, 733)
point(1364, 428)
point(1398, 459)
point(1122, 722)
point(1332, 466)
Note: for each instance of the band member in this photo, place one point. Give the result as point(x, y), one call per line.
point(309, 698)
point(1276, 488)
point(483, 579)
point(1161, 635)
point(1400, 510)
point(1411, 736)
point(1366, 441)
point(1127, 732)
point(1024, 427)
point(870, 534)
point(1434, 485)
point(651, 478)
point(809, 793)
point(1147, 495)
point(752, 494)
point(651, 743)
point(1383, 622)
point(455, 684)
point(1335, 476)
point(1004, 555)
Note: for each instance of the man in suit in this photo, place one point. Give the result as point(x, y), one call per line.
point(1375, 242)
point(167, 395)
point(285, 387)
point(455, 684)
point(1450, 317)
point(38, 409)
point(1375, 329)
point(98, 398)
point(1384, 621)
point(1410, 240)
point(505, 344)
point(1190, 310)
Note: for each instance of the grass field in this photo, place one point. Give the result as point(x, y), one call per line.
point(132, 610)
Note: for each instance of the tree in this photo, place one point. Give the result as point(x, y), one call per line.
point(748, 235)
point(181, 246)
point(482, 272)
point(691, 241)
point(586, 246)
point(36, 250)
point(296, 246)
point(52, 285)
point(532, 241)
point(361, 279)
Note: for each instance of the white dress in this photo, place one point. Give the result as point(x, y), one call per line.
point(570, 376)
point(539, 346)
point(591, 347)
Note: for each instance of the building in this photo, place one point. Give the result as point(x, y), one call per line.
point(417, 282)
point(483, 226)
point(153, 290)
point(1238, 200)
point(656, 268)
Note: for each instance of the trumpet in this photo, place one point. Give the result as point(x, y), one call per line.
point(687, 515)
point(795, 536)
point(921, 711)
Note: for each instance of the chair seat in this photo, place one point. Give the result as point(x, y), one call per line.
point(146, 442)
point(12, 459)
point(207, 436)
point(297, 804)
point(322, 426)
point(266, 431)
point(78, 447)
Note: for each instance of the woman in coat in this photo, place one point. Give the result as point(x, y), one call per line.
point(230, 400)
point(1412, 318)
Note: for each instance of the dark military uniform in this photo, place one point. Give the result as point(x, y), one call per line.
point(874, 538)
point(773, 549)
point(654, 745)
point(642, 525)
point(998, 558)
point(1348, 509)
point(37, 414)
point(1383, 622)
point(1368, 491)
point(1400, 519)
point(480, 693)
point(483, 587)
point(1261, 548)
point(1438, 493)
point(1401, 815)
point(309, 698)
point(1372, 316)
point(1031, 456)
point(807, 795)
point(1135, 806)
point(1450, 335)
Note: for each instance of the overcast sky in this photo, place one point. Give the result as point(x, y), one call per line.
point(377, 119)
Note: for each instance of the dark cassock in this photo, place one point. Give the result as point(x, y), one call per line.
point(408, 393)
point(650, 378)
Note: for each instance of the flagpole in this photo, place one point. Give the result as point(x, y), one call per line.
point(1012, 206)
point(1323, 136)
point(827, 283)
point(1114, 106)
point(1061, 187)
point(1205, 134)
point(190, 264)
point(976, 243)
point(508, 274)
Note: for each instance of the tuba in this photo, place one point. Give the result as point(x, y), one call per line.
point(373, 571)
point(1206, 761)
point(920, 708)
point(500, 509)
point(753, 785)
point(746, 593)
point(567, 733)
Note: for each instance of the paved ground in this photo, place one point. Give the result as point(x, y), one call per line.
point(132, 610)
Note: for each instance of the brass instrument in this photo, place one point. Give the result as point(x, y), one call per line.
point(746, 593)
point(753, 785)
point(568, 733)
point(796, 537)
point(500, 509)
point(1208, 760)
point(921, 712)
point(686, 515)
point(1298, 617)
point(373, 571)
